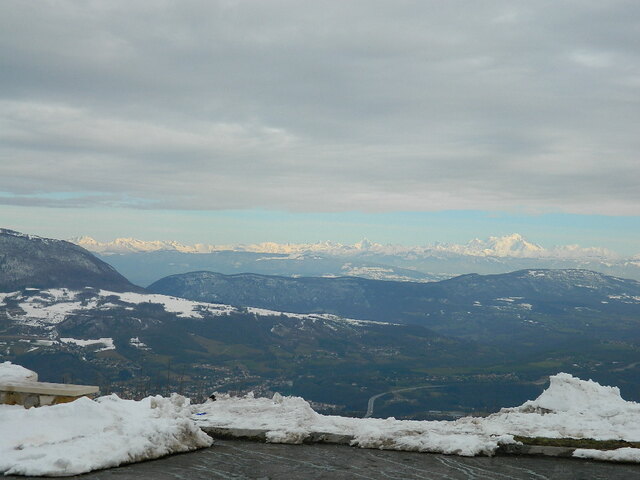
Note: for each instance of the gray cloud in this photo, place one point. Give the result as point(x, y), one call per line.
point(321, 106)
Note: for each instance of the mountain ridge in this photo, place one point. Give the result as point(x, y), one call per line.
point(514, 245)
point(470, 306)
point(29, 261)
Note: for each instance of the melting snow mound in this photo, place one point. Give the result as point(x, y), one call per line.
point(567, 393)
point(292, 420)
point(568, 408)
point(10, 372)
point(85, 435)
point(572, 408)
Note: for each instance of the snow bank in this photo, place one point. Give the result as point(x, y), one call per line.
point(567, 393)
point(569, 408)
point(86, 435)
point(631, 455)
point(292, 420)
point(15, 373)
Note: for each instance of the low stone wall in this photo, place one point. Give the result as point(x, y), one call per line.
point(260, 435)
point(29, 400)
point(37, 394)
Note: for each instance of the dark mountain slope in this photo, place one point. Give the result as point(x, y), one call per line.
point(302, 295)
point(143, 342)
point(479, 307)
point(30, 261)
point(377, 299)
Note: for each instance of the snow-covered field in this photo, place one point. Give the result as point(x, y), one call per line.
point(106, 342)
point(86, 435)
point(44, 308)
point(52, 306)
point(569, 408)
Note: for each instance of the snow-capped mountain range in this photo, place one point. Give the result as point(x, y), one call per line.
point(515, 246)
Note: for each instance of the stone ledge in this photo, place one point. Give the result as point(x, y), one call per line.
point(517, 449)
point(260, 435)
point(44, 388)
point(36, 394)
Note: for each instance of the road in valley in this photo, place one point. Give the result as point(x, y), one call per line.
point(373, 399)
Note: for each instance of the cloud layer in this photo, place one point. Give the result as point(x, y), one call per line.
point(321, 106)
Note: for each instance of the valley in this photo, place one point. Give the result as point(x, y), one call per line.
point(437, 350)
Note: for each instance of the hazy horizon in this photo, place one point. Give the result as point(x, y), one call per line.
point(618, 234)
point(575, 249)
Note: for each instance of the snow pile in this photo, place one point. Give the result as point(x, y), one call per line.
point(630, 455)
point(86, 435)
point(567, 393)
point(292, 420)
point(569, 408)
point(576, 408)
point(15, 373)
point(286, 419)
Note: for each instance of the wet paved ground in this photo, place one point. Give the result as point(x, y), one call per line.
point(247, 460)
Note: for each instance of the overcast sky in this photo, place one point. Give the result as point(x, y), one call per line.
point(321, 107)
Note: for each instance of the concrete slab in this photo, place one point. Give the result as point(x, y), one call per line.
point(260, 435)
point(544, 450)
point(44, 388)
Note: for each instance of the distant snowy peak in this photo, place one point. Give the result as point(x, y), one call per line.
point(514, 245)
point(508, 246)
point(130, 245)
